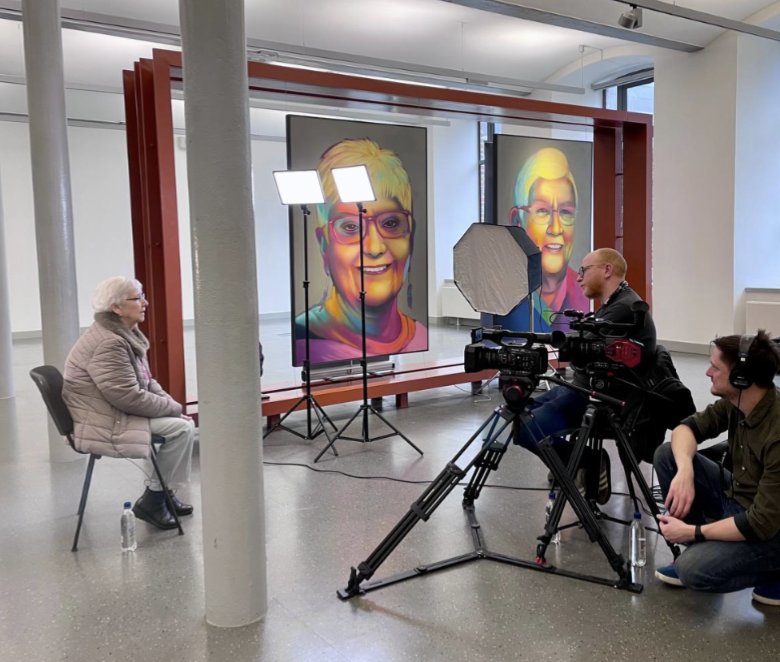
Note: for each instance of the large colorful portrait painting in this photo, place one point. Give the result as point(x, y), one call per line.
point(394, 242)
point(544, 186)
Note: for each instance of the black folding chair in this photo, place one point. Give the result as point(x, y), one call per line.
point(49, 382)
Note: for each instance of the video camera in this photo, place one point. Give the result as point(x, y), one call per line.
point(597, 347)
point(514, 353)
point(605, 347)
point(520, 356)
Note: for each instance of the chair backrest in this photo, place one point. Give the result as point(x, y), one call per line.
point(49, 382)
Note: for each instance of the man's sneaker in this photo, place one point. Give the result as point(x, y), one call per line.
point(604, 490)
point(580, 479)
point(668, 575)
point(768, 594)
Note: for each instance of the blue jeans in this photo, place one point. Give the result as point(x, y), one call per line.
point(557, 410)
point(717, 566)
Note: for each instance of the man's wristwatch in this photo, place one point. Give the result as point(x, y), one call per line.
point(698, 536)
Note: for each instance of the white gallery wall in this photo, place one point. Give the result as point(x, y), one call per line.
point(693, 193)
point(101, 205)
point(716, 230)
point(757, 171)
point(453, 176)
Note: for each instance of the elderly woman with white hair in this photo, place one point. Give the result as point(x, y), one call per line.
point(117, 406)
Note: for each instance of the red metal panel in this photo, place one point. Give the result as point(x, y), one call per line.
point(606, 211)
point(134, 167)
point(166, 261)
point(155, 227)
point(157, 259)
point(637, 207)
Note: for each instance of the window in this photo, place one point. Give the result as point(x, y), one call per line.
point(486, 133)
point(636, 95)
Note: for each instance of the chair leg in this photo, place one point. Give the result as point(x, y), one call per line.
point(83, 501)
point(167, 494)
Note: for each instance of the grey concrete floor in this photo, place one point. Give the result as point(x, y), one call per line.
point(98, 604)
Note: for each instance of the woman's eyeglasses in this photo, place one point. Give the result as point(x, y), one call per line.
point(141, 298)
point(542, 214)
point(345, 229)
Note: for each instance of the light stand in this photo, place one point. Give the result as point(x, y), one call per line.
point(354, 185)
point(303, 187)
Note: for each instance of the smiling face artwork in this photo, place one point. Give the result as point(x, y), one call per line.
point(545, 197)
point(387, 244)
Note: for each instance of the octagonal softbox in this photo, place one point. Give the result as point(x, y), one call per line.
point(496, 267)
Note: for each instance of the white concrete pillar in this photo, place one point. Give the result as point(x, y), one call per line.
point(226, 313)
point(6, 347)
point(51, 189)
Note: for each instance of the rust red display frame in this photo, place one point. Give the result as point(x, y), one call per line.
point(622, 144)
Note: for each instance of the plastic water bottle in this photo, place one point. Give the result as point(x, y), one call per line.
point(548, 508)
point(127, 526)
point(638, 542)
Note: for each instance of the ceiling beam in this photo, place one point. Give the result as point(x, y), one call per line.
point(574, 23)
point(703, 17)
point(264, 50)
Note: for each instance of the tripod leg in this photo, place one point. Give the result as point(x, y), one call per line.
point(337, 435)
point(563, 477)
point(628, 458)
point(322, 415)
point(280, 423)
point(583, 513)
point(421, 509)
point(488, 461)
point(394, 429)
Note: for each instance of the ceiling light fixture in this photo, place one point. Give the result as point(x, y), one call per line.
point(631, 19)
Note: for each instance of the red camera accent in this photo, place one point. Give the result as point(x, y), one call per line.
point(627, 352)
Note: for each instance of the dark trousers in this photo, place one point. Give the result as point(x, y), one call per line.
point(717, 566)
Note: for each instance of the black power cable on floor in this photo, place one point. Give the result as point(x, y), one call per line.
point(517, 488)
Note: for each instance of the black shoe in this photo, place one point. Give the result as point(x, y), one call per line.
point(151, 508)
point(182, 509)
point(596, 478)
point(604, 485)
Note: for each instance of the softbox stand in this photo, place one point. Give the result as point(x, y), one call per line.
point(311, 402)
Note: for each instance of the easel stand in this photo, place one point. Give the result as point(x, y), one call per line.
point(366, 409)
point(486, 460)
point(311, 403)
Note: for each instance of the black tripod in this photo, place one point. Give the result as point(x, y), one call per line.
point(486, 459)
point(599, 422)
point(365, 409)
point(308, 398)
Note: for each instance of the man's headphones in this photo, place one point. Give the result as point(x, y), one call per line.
point(740, 377)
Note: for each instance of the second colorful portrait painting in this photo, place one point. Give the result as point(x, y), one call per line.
point(544, 186)
point(394, 242)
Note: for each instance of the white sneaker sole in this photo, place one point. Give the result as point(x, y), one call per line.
point(774, 602)
point(666, 579)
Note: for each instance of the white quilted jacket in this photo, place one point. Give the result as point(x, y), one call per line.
point(110, 392)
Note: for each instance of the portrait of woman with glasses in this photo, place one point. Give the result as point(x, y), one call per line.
point(388, 240)
point(545, 197)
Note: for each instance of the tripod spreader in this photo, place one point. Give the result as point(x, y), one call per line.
point(486, 458)
point(421, 509)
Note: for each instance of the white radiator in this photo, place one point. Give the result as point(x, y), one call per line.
point(454, 304)
point(762, 310)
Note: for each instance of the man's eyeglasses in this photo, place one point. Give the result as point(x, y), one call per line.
point(583, 270)
point(541, 214)
point(390, 225)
